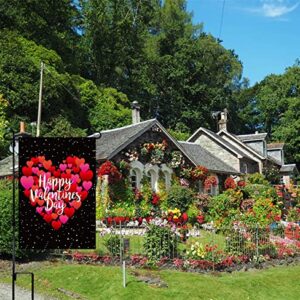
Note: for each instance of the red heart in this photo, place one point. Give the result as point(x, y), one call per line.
point(70, 160)
point(83, 195)
point(27, 171)
point(86, 176)
point(76, 169)
point(47, 164)
point(29, 164)
point(76, 204)
point(79, 161)
point(47, 218)
point(69, 211)
point(56, 173)
point(35, 160)
point(54, 216)
point(56, 225)
point(40, 202)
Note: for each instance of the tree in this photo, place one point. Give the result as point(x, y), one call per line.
point(113, 38)
point(19, 83)
point(288, 130)
point(52, 24)
point(110, 111)
point(3, 125)
point(186, 73)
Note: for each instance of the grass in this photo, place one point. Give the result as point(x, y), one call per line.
point(98, 282)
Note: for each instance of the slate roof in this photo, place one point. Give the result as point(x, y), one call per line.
point(252, 137)
point(204, 158)
point(112, 141)
point(6, 166)
point(275, 146)
point(274, 160)
point(244, 145)
point(220, 140)
point(290, 168)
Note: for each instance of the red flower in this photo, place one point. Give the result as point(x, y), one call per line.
point(241, 183)
point(200, 219)
point(210, 181)
point(155, 199)
point(184, 217)
point(108, 168)
point(229, 183)
point(199, 173)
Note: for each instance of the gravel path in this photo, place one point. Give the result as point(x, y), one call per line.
point(21, 294)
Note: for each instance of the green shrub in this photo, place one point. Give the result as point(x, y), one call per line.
point(223, 209)
point(113, 245)
point(6, 232)
point(256, 178)
point(180, 197)
point(160, 242)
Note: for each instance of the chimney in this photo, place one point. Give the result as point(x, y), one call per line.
point(135, 112)
point(222, 124)
point(22, 127)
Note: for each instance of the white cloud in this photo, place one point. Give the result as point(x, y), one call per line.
point(273, 11)
point(274, 8)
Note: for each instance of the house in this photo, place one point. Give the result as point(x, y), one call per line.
point(248, 153)
point(128, 143)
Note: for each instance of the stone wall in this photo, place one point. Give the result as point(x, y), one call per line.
point(219, 151)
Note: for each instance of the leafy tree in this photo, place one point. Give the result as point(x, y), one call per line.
point(3, 125)
point(113, 38)
point(19, 83)
point(52, 24)
point(288, 130)
point(110, 111)
point(61, 127)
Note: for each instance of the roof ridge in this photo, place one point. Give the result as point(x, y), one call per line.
point(127, 126)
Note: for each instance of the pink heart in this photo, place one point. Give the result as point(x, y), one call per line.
point(79, 189)
point(75, 178)
point(27, 182)
point(62, 167)
point(84, 167)
point(39, 209)
point(35, 170)
point(87, 185)
point(70, 166)
point(64, 219)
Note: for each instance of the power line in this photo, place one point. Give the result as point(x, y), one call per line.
point(222, 18)
point(61, 83)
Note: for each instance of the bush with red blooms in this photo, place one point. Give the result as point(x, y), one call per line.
point(201, 219)
point(210, 181)
point(229, 183)
point(241, 183)
point(155, 199)
point(199, 173)
point(108, 168)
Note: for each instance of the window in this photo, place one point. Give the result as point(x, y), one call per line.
point(152, 171)
point(136, 173)
point(133, 179)
point(167, 175)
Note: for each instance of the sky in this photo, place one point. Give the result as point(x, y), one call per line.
point(265, 34)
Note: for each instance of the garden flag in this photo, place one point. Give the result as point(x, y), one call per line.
point(57, 193)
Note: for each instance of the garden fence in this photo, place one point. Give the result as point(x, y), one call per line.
point(197, 247)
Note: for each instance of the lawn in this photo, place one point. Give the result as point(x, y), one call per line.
point(98, 282)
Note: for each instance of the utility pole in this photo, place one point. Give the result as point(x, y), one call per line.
point(40, 101)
